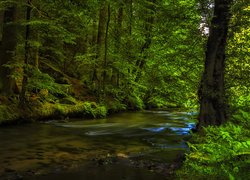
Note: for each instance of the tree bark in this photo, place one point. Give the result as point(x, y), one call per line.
point(106, 51)
point(8, 46)
point(26, 55)
point(100, 39)
point(213, 104)
point(118, 34)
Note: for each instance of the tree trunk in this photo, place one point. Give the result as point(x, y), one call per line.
point(100, 40)
point(8, 46)
point(118, 34)
point(1, 27)
point(106, 51)
point(26, 55)
point(213, 106)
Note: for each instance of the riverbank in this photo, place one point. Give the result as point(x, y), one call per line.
point(45, 107)
point(41, 110)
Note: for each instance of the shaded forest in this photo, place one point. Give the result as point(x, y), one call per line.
point(88, 59)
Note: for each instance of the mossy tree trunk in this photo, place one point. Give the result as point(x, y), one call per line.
point(213, 106)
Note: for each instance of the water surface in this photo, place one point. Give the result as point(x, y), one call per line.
point(37, 149)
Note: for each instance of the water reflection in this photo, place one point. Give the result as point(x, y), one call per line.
point(37, 145)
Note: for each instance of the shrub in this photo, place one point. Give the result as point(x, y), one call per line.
point(221, 153)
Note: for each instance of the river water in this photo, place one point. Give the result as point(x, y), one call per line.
point(122, 146)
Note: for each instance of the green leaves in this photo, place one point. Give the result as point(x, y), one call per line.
point(221, 152)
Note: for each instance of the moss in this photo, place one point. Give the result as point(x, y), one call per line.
point(91, 109)
point(79, 110)
point(8, 114)
point(101, 111)
point(68, 100)
point(37, 110)
point(46, 110)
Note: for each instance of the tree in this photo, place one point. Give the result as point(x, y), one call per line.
point(26, 54)
point(8, 46)
point(213, 105)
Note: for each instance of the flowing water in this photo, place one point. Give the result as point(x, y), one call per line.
point(89, 149)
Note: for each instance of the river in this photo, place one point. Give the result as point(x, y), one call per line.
point(129, 145)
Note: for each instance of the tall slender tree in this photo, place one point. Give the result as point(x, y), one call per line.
point(26, 53)
point(213, 106)
point(8, 46)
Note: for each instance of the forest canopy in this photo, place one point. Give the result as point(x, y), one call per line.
point(125, 54)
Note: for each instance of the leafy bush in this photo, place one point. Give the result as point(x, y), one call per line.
point(115, 105)
point(221, 153)
point(156, 102)
point(100, 111)
point(242, 117)
point(39, 81)
point(134, 102)
point(91, 109)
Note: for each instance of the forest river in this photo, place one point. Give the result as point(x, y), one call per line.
point(130, 145)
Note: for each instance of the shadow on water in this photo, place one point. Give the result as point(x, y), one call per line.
point(73, 149)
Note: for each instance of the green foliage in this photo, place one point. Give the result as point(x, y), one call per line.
point(238, 61)
point(91, 109)
point(242, 117)
point(134, 102)
point(39, 81)
point(220, 153)
point(100, 111)
point(115, 105)
point(157, 102)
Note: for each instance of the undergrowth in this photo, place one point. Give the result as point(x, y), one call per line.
point(220, 152)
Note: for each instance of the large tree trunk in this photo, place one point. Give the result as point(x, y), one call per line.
point(213, 106)
point(8, 46)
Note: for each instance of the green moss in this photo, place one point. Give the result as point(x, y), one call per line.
point(38, 110)
point(100, 112)
point(68, 100)
point(8, 113)
point(80, 110)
